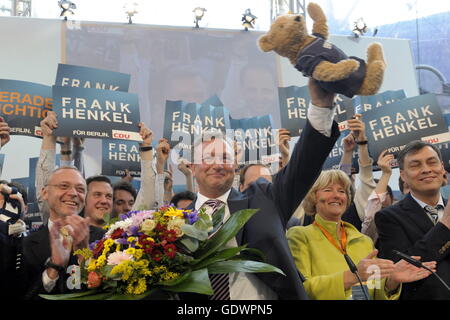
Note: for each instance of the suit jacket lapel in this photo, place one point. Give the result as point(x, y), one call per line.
point(416, 213)
point(40, 245)
point(237, 201)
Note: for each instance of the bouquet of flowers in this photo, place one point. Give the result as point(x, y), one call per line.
point(158, 253)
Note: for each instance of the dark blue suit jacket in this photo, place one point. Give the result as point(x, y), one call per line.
point(276, 202)
point(406, 227)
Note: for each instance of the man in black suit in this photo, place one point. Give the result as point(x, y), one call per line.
point(411, 227)
point(214, 170)
point(48, 251)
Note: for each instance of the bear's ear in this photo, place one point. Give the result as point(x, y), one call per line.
point(265, 44)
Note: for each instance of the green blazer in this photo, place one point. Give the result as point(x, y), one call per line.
point(323, 265)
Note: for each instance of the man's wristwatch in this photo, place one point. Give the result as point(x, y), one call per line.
point(50, 264)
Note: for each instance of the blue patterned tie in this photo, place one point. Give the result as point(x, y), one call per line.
point(219, 281)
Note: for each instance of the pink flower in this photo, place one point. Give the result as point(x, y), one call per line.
point(94, 280)
point(117, 257)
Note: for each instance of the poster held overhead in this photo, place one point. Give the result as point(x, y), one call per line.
point(92, 113)
point(91, 78)
point(23, 105)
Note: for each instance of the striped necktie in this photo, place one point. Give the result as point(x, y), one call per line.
point(220, 281)
point(433, 212)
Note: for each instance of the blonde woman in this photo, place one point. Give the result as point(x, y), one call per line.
point(319, 249)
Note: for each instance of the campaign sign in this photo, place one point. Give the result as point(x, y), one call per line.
point(120, 155)
point(294, 102)
point(256, 138)
point(184, 123)
point(393, 126)
point(23, 105)
point(92, 113)
point(91, 78)
point(366, 103)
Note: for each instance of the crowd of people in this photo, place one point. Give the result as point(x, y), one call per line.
point(333, 237)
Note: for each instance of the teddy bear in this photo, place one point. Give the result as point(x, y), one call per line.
point(315, 57)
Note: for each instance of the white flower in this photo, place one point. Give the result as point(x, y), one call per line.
point(176, 224)
point(148, 225)
point(116, 258)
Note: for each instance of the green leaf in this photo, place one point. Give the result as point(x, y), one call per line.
point(228, 230)
point(219, 256)
point(217, 218)
point(68, 296)
point(190, 243)
point(197, 282)
point(242, 266)
point(153, 292)
point(204, 222)
point(86, 295)
point(254, 254)
point(193, 232)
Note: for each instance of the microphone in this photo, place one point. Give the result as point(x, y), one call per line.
point(419, 264)
point(354, 269)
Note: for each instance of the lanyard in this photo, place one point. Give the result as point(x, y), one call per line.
point(343, 245)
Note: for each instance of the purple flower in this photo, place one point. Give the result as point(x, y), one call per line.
point(122, 241)
point(192, 217)
point(134, 230)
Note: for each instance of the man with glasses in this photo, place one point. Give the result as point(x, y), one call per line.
point(48, 252)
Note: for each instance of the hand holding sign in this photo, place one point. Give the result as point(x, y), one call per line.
point(4, 132)
point(162, 154)
point(358, 128)
point(146, 135)
point(349, 143)
point(384, 162)
point(49, 123)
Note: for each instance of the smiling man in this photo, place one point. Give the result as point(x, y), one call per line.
point(419, 225)
point(48, 251)
point(214, 169)
point(99, 199)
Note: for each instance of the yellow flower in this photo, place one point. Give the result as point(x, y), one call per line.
point(131, 239)
point(131, 251)
point(91, 265)
point(172, 212)
point(169, 275)
point(138, 254)
point(101, 261)
point(85, 253)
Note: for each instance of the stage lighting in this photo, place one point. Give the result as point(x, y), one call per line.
point(130, 9)
point(248, 20)
point(359, 28)
point(199, 13)
point(66, 7)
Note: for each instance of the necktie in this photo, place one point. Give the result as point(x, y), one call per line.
point(213, 204)
point(433, 212)
point(220, 281)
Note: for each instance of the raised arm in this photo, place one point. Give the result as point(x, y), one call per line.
point(378, 196)
point(291, 183)
point(146, 196)
point(46, 163)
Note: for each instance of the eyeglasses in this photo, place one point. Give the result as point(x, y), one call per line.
point(67, 186)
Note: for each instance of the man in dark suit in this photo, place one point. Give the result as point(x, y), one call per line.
point(48, 251)
point(214, 170)
point(411, 227)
